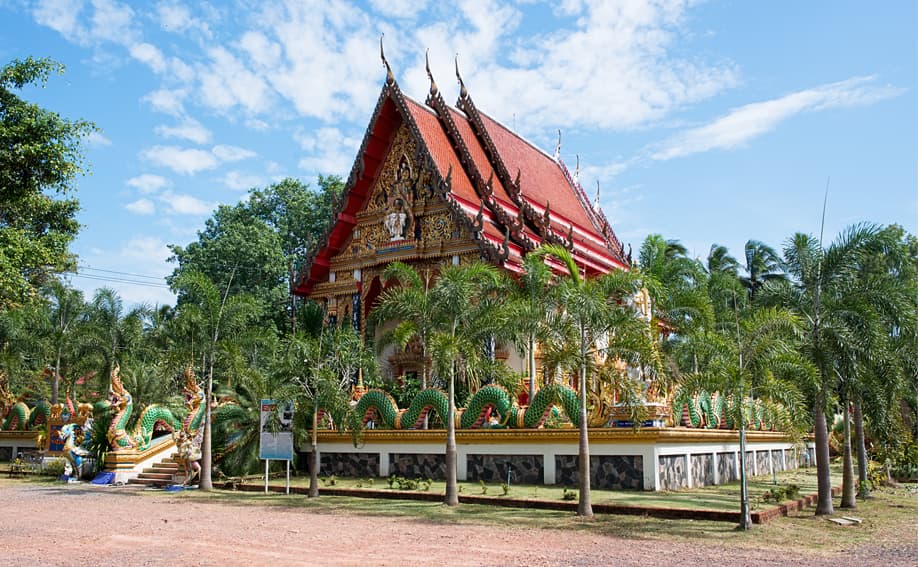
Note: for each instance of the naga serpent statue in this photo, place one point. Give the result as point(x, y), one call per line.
point(153, 418)
point(716, 411)
point(188, 439)
point(490, 406)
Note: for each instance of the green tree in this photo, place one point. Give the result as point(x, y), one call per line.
point(60, 323)
point(324, 368)
point(529, 316)
point(826, 294)
point(110, 331)
point(259, 241)
point(464, 309)
point(40, 159)
point(604, 326)
point(757, 359)
point(763, 264)
point(219, 319)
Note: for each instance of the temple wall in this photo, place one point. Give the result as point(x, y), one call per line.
point(650, 459)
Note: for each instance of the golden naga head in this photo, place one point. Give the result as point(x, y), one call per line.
point(116, 390)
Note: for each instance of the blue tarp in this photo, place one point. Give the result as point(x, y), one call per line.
point(104, 478)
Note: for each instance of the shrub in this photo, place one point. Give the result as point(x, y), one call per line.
point(484, 487)
point(569, 494)
point(55, 468)
point(792, 491)
point(505, 488)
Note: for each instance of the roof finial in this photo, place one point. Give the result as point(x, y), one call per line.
point(433, 84)
point(596, 201)
point(577, 170)
point(558, 147)
point(463, 92)
point(390, 78)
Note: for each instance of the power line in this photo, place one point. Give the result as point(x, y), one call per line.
point(90, 268)
point(118, 280)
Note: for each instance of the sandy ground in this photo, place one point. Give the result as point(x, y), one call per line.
point(84, 525)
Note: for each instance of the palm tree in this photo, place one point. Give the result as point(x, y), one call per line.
point(758, 357)
point(323, 368)
point(763, 264)
point(604, 326)
point(60, 322)
point(463, 309)
point(215, 315)
point(411, 306)
point(530, 311)
point(110, 330)
point(237, 425)
point(825, 294)
point(720, 260)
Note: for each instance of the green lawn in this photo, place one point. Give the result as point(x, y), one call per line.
point(886, 518)
point(722, 497)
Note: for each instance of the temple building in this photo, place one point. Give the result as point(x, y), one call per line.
point(433, 185)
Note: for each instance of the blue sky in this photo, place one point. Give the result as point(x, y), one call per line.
point(707, 122)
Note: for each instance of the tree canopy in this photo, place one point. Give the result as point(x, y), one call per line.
point(40, 159)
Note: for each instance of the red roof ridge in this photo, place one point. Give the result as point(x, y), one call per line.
point(518, 135)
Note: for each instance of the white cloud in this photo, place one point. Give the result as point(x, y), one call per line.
point(112, 21)
point(255, 124)
point(141, 207)
point(399, 8)
point(241, 181)
point(183, 204)
point(752, 120)
point(226, 82)
point(62, 16)
point(232, 153)
point(167, 101)
point(189, 129)
point(148, 183)
point(329, 151)
point(96, 138)
point(186, 161)
point(150, 55)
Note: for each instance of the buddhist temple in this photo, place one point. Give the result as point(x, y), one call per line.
point(434, 184)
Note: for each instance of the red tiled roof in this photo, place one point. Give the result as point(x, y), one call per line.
point(541, 179)
point(543, 182)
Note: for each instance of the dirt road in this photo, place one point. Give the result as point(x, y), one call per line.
point(84, 525)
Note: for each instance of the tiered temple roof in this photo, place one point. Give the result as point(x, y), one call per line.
point(509, 195)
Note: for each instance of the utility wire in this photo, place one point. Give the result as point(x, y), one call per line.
point(90, 268)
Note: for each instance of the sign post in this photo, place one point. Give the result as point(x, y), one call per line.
point(276, 438)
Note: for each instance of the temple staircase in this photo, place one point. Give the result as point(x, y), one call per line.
point(162, 473)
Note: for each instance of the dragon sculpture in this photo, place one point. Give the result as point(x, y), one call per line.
point(490, 406)
point(716, 411)
point(188, 439)
point(153, 418)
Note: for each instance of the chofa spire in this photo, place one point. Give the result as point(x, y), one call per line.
point(463, 92)
point(390, 78)
point(433, 84)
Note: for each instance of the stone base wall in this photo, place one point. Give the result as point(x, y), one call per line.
point(346, 464)
point(607, 472)
point(777, 462)
point(763, 462)
point(672, 472)
point(702, 470)
point(418, 465)
point(523, 469)
point(726, 467)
